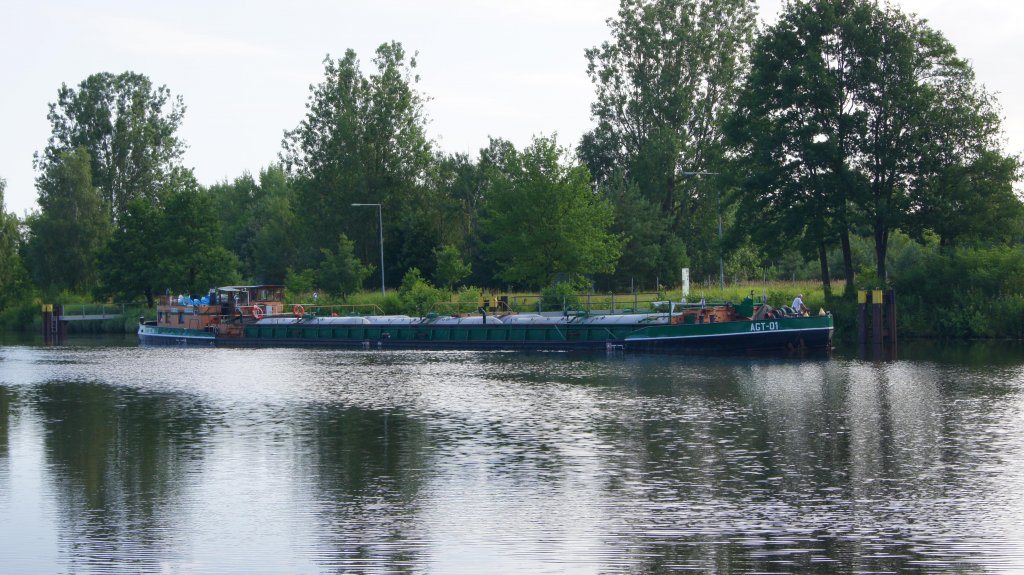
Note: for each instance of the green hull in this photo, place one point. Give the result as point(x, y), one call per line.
point(811, 333)
point(789, 334)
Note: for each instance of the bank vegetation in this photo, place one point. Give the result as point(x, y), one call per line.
point(847, 145)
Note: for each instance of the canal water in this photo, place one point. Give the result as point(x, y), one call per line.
point(116, 458)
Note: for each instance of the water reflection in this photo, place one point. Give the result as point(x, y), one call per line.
point(7, 405)
point(240, 461)
point(118, 461)
point(366, 472)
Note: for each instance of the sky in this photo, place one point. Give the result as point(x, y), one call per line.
point(490, 68)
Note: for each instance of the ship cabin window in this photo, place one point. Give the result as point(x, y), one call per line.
point(181, 317)
point(159, 317)
point(267, 294)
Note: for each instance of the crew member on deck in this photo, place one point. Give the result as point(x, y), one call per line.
point(798, 304)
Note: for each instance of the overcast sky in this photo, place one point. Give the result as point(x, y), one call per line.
point(490, 68)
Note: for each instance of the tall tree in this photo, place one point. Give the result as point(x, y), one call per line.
point(651, 250)
point(71, 228)
point(192, 257)
point(171, 244)
point(274, 229)
point(543, 218)
point(794, 126)
point(258, 223)
point(363, 140)
point(129, 129)
point(12, 273)
point(663, 83)
point(969, 201)
point(856, 114)
point(131, 264)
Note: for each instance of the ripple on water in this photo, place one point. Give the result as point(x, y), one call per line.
point(229, 461)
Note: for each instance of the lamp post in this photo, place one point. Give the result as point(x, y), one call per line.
point(718, 194)
point(380, 226)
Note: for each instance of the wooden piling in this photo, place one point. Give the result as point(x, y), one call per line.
point(876, 323)
point(48, 335)
point(862, 317)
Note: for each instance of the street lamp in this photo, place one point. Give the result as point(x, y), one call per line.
point(718, 194)
point(380, 226)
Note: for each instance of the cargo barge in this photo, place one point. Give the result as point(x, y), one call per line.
point(255, 316)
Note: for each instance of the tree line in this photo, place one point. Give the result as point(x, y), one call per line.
point(804, 149)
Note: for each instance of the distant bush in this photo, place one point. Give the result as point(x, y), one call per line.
point(418, 295)
point(963, 294)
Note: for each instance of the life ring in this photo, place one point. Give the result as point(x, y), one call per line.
point(257, 312)
point(298, 310)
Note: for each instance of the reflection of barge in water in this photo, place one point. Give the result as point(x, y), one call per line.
point(255, 316)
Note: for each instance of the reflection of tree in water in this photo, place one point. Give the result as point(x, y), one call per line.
point(7, 405)
point(811, 466)
point(119, 461)
point(368, 467)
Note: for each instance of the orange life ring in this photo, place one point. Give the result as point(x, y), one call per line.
point(257, 312)
point(298, 310)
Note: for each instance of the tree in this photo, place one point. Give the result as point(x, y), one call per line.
point(12, 272)
point(71, 228)
point(341, 272)
point(792, 129)
point(129, 129)
point(274, 242)
point(171, 244)
point(236, 203)
point(857, 115)
point(259, 224)
point(922, 113)
point(970, 201)
point(417, 295)
point(663, 82)
point(449, 268)
point(362, 141)
point(131, 264)
point(543, 218)
point(191, 257)
point(651, 250)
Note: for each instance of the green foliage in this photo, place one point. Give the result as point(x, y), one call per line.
point(341, 273)
point(963, 293)
point(459, 185)
point(449, 268)
point(174, 245)
point(857, 116)
point(72, 228)
point(274, 227)
point(561, 296)
point(192, 258)
point(417, 295)
point(469, 297)
point(130, 266)
point(127, 126)
point(298, 284)
point(10, 241)
point(542, 218)
point(664, 80)
point(744, 264)
point(651, 249)
point(259, 224)
point(363, 140)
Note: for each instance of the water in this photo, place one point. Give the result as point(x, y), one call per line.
point(116, 459)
